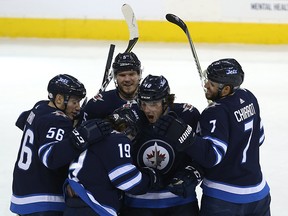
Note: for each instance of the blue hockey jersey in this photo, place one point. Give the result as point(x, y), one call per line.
point(154, 151)
point(42, 162)
point(231, 133)
point(102, 105)
point(103, 171)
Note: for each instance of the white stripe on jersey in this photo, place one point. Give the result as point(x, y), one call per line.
point(154, 196)
point(217, 143)
point(116, 173)
point(131, 183)
point(36, 199)
point(77, 166)
point(110, 210)
point(262, 136)
point(235, 189)
point(47, 151)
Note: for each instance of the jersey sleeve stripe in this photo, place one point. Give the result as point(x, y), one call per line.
point(120, 171)
point(125, 186)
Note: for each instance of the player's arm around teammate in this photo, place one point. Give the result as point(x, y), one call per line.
point(229, 135)
point(48, 145)
point(101, 173)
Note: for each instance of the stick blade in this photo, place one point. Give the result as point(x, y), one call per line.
point(177, 21)
point(130, 20)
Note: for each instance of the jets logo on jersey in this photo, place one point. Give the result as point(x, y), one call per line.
point(157, 154)
point(60, 113)
point(187, 107)
point(129, 103)
point(98, 97)
point(211, 105)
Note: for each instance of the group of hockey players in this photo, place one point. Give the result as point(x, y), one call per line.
point(133, 151)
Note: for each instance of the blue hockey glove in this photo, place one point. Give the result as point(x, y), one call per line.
point(175, 130)
point(185, 181)
point(90, 132)
point(155, 178)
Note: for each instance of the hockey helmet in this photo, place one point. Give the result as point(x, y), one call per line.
point(67, 85)
point(126, 62)
point(125, 120)
point(153, 88)
point(226, 71)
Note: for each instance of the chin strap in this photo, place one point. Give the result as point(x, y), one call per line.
point(66, 99)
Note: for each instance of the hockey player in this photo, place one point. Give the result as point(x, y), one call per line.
point(227, 143)
point(49, 143)
point(127, 71)
point(155, 151)
point(103, 170)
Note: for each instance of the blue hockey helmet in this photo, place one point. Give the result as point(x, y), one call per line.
point(126, 62)
point(153, 88)
point(66, 85)
point(125, 120)
point(226, 71)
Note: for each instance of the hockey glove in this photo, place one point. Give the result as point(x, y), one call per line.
point(175, 130)
point(185, 181)
point(155, 178)
point(90, 132)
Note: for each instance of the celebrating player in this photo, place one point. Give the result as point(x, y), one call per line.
point(127, 72)
point(152, 150)
point(103, 170)
point(49, 143)
point(227, 143)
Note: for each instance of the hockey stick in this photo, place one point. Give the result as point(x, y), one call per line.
point(132, 26)
point(107, 75)
point(109, 61)
point(177, 21)
point(133, 38)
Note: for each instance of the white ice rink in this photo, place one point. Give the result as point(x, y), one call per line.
point(26, 66)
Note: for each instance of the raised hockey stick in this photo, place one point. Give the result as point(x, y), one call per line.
point(179, 22)
point(132, 26)
point(109, 61)
point(107, 74)
point(133, 38)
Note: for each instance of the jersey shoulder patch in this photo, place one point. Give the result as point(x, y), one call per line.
point(98, 97)
point(187, 107)
point(60, 113)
